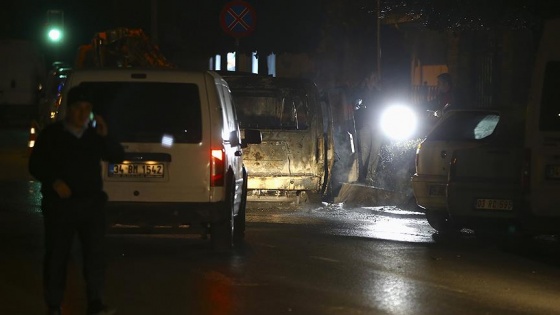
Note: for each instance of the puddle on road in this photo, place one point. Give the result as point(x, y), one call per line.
point(394, 229)
point(384, 222)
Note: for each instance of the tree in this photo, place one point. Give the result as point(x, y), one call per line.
point(490, 43)
point(470, 14)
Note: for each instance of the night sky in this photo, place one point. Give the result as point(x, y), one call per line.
point(287, 25)
point(191, 29)
point(191, 25)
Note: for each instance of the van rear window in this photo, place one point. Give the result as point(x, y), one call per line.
point(549, 119)
point(271, 109)
point(465, 126)
point(149, 111)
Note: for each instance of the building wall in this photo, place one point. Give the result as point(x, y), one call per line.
point(492, 68)
point(489, 68)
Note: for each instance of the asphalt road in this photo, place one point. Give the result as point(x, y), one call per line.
point(310, 259)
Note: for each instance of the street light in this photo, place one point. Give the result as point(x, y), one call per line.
point(55, 35)
point(55, 25)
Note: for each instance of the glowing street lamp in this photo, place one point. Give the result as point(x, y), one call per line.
point(55, 25)
point(55, 35)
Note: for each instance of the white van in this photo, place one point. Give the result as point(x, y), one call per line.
point(184, 158)
point(543, 133)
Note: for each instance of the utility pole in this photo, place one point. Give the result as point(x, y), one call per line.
point(378, 20)
point(55, 32)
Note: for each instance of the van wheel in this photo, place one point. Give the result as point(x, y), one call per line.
point(221, 232)
point(240, 220)
point(440, 221)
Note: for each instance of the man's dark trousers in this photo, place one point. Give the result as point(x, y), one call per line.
point(63, 220)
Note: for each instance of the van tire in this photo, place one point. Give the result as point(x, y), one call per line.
point(239, 221)
point(221, 232)
point(440, 221)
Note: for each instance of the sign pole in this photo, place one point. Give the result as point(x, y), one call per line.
point(237, 55)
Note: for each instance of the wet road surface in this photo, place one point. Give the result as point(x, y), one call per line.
point(310, 259)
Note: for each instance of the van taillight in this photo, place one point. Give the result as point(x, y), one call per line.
point(526, 175)
point(217, 168)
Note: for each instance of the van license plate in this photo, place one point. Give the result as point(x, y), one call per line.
point(136, 170)
point(553, 171)
point(494, 204)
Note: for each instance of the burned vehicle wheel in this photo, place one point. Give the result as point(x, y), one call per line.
point(440, 221)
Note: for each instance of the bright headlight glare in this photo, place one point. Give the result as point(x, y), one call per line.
point(398, 122)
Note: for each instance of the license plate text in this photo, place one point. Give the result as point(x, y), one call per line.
point(494, 204)
point(136, 170)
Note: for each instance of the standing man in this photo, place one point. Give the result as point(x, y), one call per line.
point(445, 97)
point(66, 160)
point(369, 138)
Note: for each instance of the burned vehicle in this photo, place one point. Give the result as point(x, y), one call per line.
point(292, 161)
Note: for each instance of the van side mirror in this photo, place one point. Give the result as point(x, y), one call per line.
point(234, 138)
point(252, 136)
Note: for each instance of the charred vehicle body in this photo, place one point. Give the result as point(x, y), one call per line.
point(292, 160)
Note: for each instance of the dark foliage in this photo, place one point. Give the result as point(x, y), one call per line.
point(282, 26)
point(471, 14)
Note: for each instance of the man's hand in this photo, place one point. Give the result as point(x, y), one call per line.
point(62, 189)
point(101, 126)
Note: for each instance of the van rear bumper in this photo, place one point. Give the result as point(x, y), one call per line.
point(164, 213)
point(294, 183)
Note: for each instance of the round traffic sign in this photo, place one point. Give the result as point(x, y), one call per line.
point(238, 18)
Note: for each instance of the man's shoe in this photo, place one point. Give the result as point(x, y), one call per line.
point(103, 310)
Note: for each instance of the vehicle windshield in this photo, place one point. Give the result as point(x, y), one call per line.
point(270, 109)
point(149, 111)
point(466, 126)
point(550, 107)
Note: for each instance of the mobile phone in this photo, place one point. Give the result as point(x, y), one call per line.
point(92, 121)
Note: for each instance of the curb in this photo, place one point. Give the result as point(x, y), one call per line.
point(360, 195)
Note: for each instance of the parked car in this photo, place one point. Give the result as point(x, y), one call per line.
point(459, 129)
point(184, 158)
point(50, 96)
point(502, 166)
point(487, 183)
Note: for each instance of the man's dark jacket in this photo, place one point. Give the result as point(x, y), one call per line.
point(58, 154)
